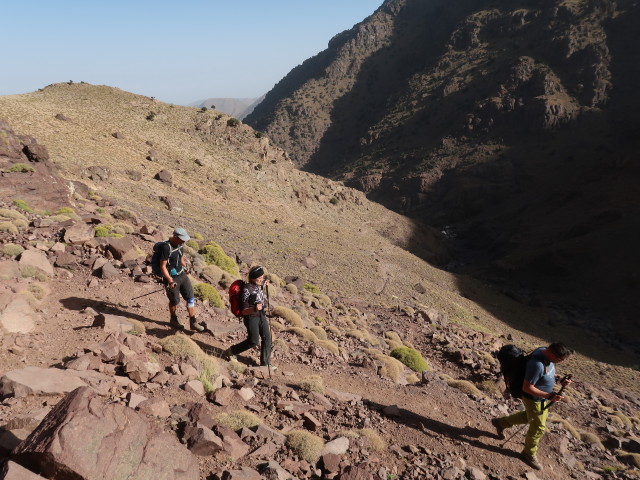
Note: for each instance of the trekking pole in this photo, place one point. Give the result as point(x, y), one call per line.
point(568, 377)
point(548, 405)
point(144, 295)
point(268, 314)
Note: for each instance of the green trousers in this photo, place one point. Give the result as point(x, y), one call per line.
point(535, 417)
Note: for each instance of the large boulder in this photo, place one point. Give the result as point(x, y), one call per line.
point(79, 233)
point(37, 259)
point(38, 381)
point(122, 249)
point(84, 439)
point(13, 471)
point(18, 316)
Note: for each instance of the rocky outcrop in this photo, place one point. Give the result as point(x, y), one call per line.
point(84, 438)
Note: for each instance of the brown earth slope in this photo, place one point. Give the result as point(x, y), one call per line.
point(512, 125)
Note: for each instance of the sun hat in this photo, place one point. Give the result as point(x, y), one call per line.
point(182, 234)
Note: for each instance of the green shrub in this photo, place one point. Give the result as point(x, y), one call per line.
point(238, 419)
point(193, 244)
point(306, 445)
point(411, 358)
point(214, 255)
point(212, 273)
point(333, 201)
point(197, 236)
point(12, 249)
point(151, 116)
point(64, 210)
point(233, 122)
point(59, 218)
point(312, 383)
point(8, 227)
point(21, 168)
point(22, 205)
point(204, 291)
point(289, 316)
point(311, 288)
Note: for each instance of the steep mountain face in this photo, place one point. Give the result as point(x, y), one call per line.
point(514, 125)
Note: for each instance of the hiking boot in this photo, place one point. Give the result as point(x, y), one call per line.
point(175, 323)
point(193, 323)
point(499, 429)
point(531, 460)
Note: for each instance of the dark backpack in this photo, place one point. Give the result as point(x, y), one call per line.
point(513, 363)
point(155, 259)
point(235, 297)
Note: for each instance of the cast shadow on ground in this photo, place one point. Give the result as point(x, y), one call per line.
point(103, 306)
point(434, 428)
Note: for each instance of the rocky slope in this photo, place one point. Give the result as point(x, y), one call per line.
point(94, 383)
point(512, 125)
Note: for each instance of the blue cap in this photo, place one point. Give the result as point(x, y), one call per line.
point(182, 234)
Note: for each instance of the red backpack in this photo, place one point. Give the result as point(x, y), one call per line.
point(235, 297)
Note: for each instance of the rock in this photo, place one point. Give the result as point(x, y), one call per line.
point(134, 175)
point(38, 381)
point(117, 135)
point(338, 446)
point(331, 462)
point(245, 473)
point(476, 474)
point(122, 249)
point(233, 445)
point(66, 260)
point(11, 438)
point(263, 431)
point(103, 441)
point(273, 471)
point(36, 153)
point(18, 316)
point(343, 396)
point(134, 400)
point(140, 371)
point(79, 233)
point(88, 361)
point(97, 173)
point(246, 394)
point(268, 450)
point(223, 396)
point(188, 371)
point(195, 387)
point(310, 422)
point(60, 116)
point(108, 271)
point(13, 471)
point(156, 407)
point(359, 472)
point(37, 259)
point(164, 176)
point(201, 440)
point(112, 323)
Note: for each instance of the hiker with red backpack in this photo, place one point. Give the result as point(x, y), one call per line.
point(532, 379)
point(168, 263)
point(248, 301)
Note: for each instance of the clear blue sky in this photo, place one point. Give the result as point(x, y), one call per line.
point(178, 51)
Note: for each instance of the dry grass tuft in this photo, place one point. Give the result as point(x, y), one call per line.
point(238, 419)
point(319, 332)
point(181, 346)
point(375, 441)
point(391, 368)
point(632, 459)
point(412, 378)
point(291, 288)
point(306, 445)
point(553, 418)
point(333, 330)
point(8, 227)
point(312, 383)
point(490, 387)
point(138, 327)
point(7, 213)
point(592, 439)
point(363, 335)
point(12, 249)
point(393, 336)
point(329, 345)
point(411, 358)
point(289, 316)
point(465, 386)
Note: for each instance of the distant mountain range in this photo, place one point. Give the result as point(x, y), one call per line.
point(513, 126)
point(236, 107)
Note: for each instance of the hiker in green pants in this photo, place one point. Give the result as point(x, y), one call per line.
point(537, 388)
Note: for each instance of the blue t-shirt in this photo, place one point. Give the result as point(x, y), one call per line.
point(541, 373)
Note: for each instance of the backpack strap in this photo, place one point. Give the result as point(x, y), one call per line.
point(171, 251)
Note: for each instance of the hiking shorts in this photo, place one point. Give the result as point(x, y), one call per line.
point(183, 288)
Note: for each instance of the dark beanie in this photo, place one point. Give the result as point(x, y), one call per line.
point(256, 272)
